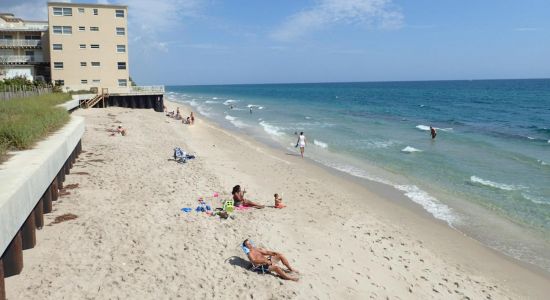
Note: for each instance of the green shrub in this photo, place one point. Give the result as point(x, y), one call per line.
point(25, 121)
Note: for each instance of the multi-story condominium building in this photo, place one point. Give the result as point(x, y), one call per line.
point(23, 48)
point(89, 46)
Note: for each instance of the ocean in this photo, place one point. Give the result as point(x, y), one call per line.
point(487, 173)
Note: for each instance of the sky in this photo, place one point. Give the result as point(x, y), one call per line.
point(288, 41)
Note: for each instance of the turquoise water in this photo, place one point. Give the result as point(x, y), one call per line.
point(487, 173)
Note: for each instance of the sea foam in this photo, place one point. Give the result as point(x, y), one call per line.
point(417, 195)
point(429, 203)
point(492, 184)
point(230, 102)
point(271, 129)
point(235, 121)
point(410, 149)
point(320, 144)
point(427, 128)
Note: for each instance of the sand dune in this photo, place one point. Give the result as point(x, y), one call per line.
point(130, 239)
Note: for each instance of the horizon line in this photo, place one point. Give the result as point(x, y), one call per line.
point(373, 81)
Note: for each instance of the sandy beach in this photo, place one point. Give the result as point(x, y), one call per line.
point(130, 239)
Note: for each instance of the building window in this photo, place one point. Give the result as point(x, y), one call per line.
point(96, 81)
point(57, 46)
point(82, 46)
point(62, 30)
point(81, 10)
point(121, 65)
point(95, 64)
point(58, 65)
point(119, 13)
point(59, 82)
point(96, 12)
point(121, 48)
point(84, 81)
point(81, 28)
point(93, 28)
point(94, 46)
point(120, 31)
point(62, 11)
point(83, 63)
point(122, 82)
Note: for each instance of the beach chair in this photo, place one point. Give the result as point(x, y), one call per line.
point(228, 206)
point(179, 155)
point(253, 267)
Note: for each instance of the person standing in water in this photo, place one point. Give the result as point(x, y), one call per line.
point(302, 143)
point(433, 133)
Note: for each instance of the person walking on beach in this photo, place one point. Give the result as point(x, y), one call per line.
point(433, 133)
point(192, 118)
point(301, 143)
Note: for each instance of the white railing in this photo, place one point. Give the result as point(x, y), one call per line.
point(146, 89)
point(24, 27)
point(19, 43)
point(19, 59)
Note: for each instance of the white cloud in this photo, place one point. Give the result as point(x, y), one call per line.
point(381, 14)
point(27, 10)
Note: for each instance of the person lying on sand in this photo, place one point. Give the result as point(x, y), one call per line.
point(278, 201)
point(239, 200)
point(268, 259)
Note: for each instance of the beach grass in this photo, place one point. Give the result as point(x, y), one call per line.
point(25, 121)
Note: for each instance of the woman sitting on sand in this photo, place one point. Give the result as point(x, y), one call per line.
point(239, 200)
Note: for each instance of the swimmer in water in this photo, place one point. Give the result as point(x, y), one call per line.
point(433, 133)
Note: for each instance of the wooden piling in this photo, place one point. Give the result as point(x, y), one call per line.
point(39, 212)
point(12, 258)
point(60, 179)
point(28, 232)
point(66, 168)
point(54, 190)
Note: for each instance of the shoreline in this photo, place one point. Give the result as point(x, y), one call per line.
point(131, 240)
point(385, 192)
point(391, 193)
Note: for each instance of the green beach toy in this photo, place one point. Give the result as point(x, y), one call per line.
point(228, 206)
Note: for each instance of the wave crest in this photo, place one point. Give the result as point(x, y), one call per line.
point(496, 185)
point(320, 144)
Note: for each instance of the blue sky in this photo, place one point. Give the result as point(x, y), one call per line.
point(216, 42)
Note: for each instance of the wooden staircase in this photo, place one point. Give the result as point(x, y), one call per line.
point(93, 101)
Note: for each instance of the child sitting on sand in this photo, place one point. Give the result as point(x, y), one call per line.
point(278, 201)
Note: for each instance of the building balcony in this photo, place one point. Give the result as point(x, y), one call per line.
point(19, 43)
point(20, 59)
point(24, 27)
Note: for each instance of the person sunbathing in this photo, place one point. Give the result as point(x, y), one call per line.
point(278, 201)
point(239, 200)
point(267, 260)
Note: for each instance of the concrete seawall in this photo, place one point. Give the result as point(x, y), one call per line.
point(29, 182)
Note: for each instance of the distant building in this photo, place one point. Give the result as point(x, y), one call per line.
point(23, 48)
point(89, 46)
